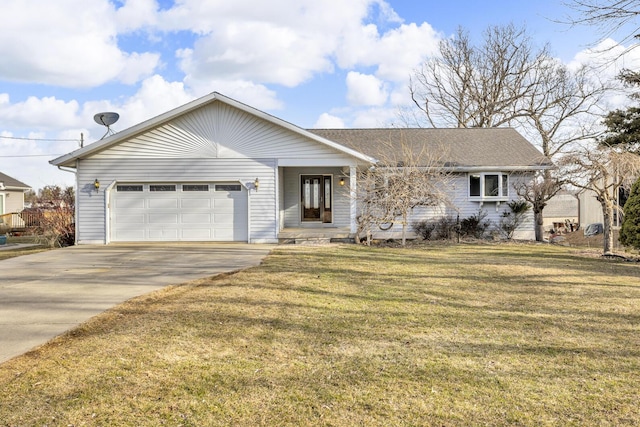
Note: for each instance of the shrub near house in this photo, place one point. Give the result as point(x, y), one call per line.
point(630, 230)
point(51, 216)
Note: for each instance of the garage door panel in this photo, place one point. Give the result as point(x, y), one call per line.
point(215, 215)
point(131, 219)
point(162, 203)
point(129, 203)
point(163, 218)
point(227, 204)
point(223, 234)
point(195, 203)
point(195, 218)
point(197, 234)
point(129, 234)
point(163, 234)
point(223, 218)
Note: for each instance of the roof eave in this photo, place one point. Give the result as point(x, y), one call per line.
point(15, 188)
point(518, 168)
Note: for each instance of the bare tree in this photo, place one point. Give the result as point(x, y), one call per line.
point(404, 178)
point(477, 86)
point(603, 171)
point(506, 81)
point(608, 16)
point(562, 111)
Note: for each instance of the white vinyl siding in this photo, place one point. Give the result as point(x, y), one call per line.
point(466, 207)
point(13, 201)
point(220, 131)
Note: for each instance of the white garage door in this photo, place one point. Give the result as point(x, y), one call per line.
point(180, 211)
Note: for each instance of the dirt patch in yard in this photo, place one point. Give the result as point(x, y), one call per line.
point(577, 238)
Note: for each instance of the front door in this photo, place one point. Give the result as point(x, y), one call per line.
point(316, 200)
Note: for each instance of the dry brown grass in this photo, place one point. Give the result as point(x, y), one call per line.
point(348, 335)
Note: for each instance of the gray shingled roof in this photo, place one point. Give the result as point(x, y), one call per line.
point(460, 148)
point(12, 182)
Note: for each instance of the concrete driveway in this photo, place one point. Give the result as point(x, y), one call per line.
point(45, 294)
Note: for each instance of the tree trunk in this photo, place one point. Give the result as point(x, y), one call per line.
point(404, 229)
point(607, 226)
point(538, 220)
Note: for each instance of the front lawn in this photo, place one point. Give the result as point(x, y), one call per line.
point(347, 335)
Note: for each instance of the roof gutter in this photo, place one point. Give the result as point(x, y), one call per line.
point(67, 169)
point(500, 168)
point(474, 168)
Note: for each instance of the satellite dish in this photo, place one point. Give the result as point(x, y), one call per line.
point(106, 119)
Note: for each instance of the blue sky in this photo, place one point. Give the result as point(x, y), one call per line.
point(328, 63)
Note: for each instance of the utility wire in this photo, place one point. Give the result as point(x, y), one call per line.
point(40, 139)
point(33, 155)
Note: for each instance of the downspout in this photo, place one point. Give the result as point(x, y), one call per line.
point(107, 212)
point(353, 205)
point(248, 209)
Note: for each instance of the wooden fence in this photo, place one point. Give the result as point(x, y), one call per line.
point(19, 221)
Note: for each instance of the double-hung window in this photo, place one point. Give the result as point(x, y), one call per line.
point(489, 186)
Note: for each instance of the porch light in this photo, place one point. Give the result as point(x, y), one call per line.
point(341, 182)
point(256, 184)
point(96, 184)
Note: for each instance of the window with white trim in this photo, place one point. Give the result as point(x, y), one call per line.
point(489, 186)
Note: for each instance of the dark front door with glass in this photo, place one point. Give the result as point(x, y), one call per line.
point(316, 198)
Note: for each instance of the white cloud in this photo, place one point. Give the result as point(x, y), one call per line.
point(155, 96)
point(46, 113)
point(394, 54)
point(71, 43)
point(261, 52)
point(365, 89)
point(135, 14)
point(373, 118)
point(288, 42)
point(608, 59)
point(327, 121)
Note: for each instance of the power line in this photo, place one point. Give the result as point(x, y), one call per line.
point(40, 139)
point(33, 155)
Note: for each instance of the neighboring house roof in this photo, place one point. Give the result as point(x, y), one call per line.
point(11, 183)
point(459, 148)
point(68, 160)
point(563, 204)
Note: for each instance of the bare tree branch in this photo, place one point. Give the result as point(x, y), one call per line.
point(404, 178)
point(608, 16)
point(603, 171)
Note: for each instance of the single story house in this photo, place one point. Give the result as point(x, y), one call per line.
point(11, 194)
point(216, 169)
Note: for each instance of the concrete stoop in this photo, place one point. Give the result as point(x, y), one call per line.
point(313, 241)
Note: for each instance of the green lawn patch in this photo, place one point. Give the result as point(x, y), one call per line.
point(348, 335)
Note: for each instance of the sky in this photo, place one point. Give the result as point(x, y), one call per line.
point(314, 63)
